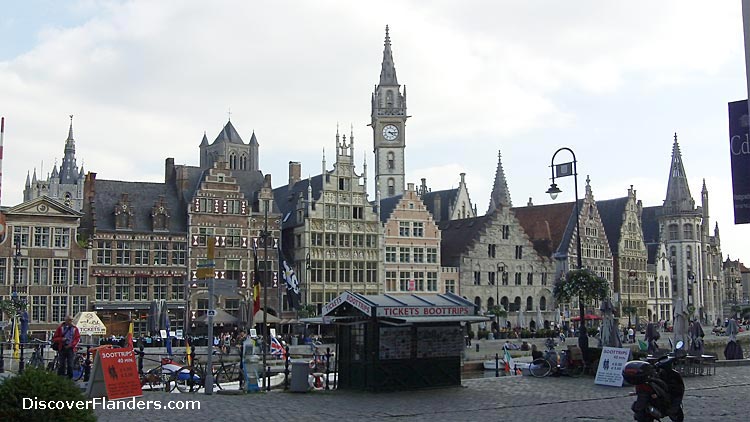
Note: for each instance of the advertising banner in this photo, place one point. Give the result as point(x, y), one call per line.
point(739, 148)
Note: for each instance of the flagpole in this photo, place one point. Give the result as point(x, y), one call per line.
point(265, 235)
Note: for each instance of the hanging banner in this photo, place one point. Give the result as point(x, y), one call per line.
point(739, 148)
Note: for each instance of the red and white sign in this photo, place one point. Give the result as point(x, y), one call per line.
point(349, 298)
point(412, 311)
point(120, 373)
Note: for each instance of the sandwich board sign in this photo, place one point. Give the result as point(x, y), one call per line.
point(611, 364)
point(114, 374)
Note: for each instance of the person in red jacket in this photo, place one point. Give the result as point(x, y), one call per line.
point(66, 337)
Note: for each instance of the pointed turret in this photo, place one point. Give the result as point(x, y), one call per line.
point(253, 139)
point(678, 197)
point(387, 69)
point(500, 195)
point(28, 179)
point(68, 168)
point(204, 141)
point(55, 173)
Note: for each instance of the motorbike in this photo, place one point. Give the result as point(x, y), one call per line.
point(658, 387)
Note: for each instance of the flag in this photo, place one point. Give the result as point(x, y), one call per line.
point(510, 365)
point(292, 284)
point(16, 339)
point(188, 350)
point(277, 349)
point(256, 280)
point(129, 342)
point(564, 169)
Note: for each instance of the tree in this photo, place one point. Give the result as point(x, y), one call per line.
point(583, 284)
point(498, 311)
point(307, 311)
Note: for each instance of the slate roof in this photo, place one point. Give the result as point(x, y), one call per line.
point(447, 198)
point(611, 211)
point(549, 227)
point(457, 235)
point(285, 198)
point(229, 134)
point(650, 224)
point(142, 197)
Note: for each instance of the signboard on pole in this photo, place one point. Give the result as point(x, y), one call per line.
point(611, 364)
point(739, 148)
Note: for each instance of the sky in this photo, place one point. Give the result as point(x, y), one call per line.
point(613, 81)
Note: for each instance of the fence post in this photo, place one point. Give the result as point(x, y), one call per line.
point(21, 363)
point(328, 366)
point(2, 357)
point(286, 369)
point(497, 365)
point(87, 364)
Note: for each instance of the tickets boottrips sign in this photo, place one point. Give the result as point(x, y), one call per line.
point(413, 311)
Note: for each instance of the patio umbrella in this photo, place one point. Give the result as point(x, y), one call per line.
point(680, 323)
point(24, 318)
point(610, 335)
point(696, 338)
point(167, 328)
point(153, 318)
point(521, 319)
point(244, 314)
point(539, 319)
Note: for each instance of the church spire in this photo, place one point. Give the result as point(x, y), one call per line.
point(68, 167)
point(678, 197)
point(387, 69)
point(500, 195)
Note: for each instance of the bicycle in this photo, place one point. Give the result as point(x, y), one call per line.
point(158, 377)
point(564, 363)
point(191, 378)
point(37, 356)
point(79, 364)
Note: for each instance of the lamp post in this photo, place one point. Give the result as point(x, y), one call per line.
point(16, 274)
point(265, 234)
point(563, 170)
point(631, 277)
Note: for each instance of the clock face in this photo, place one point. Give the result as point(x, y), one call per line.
point(390, 132)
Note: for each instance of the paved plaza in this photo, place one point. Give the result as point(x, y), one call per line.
point(722, 397)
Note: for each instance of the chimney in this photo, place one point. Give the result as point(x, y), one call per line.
point(410, 187)
point(437, 209)
point(295, 173)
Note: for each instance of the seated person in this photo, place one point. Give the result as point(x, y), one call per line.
point(535, 354)
point(524, 346)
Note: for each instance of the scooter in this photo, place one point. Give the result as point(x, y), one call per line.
point(658, 387)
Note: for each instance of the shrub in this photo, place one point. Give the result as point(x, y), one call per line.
point(482, 334)
point(40, 385)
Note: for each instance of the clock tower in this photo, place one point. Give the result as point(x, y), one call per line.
point(388, 122)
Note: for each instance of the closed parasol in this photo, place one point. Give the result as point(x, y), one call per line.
point(610, 335)
point(680, 322)
point(696, 338)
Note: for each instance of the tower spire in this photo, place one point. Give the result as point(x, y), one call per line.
point(68, 168)
point(387, 69)
point(678, 196)
point(500, 195)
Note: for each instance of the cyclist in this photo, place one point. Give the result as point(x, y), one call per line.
point(65, 341)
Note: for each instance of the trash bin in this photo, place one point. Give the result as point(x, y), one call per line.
point(295, 341)
point(300, 372)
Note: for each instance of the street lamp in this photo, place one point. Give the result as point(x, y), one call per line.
point(631, 277)
point(563, 170)
point(265, 234)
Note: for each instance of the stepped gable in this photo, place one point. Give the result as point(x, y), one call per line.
point(249, 182)
point(457, 235)
point(549, 227)
point(387, 206)
point(611, 211)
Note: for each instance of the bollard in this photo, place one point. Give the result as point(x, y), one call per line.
point(286, 369)
point(497, 365)
point(21, 363)
point(2, 357)
point(87, 364)
point(268, 378)
point(477, 347)
point(328, 371)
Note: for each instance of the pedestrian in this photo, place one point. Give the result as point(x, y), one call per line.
point(65, 340)
point(631, 335)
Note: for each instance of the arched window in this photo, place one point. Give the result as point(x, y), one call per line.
point(478, 302)
point(543, 303)
point(529, 303)
point(687, 231)
point(390, 161)
point(517, 304)
point(391, 187)
point(232, 161)
point(673, 232)
point(490, 302)
point(389, 98)
point(504, 302)
point(243, 162)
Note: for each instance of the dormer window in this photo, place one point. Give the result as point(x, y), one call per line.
point(123, 214)
point(160, 215)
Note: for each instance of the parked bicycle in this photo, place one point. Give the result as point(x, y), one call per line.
point(191, 378)
point(37, 355)
point(564, 363)
point(158, 377)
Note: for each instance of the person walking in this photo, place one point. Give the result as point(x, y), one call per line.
point(66, 340)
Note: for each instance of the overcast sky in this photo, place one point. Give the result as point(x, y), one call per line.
point(612, 80)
